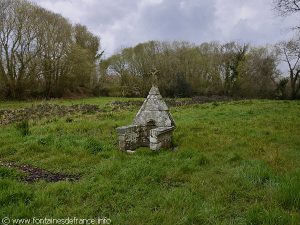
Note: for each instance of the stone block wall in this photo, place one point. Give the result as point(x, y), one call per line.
point(144, 136)
point(153, 125)
point(132, 137)
point(161, 138)
point(129, 137)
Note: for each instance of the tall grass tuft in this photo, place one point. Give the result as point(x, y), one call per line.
point(23, 128)
point(258, 173)
point(259, 215)
point(288, 194)
point(94, 146)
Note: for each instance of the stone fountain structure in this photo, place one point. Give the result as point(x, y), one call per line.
point(152, 127)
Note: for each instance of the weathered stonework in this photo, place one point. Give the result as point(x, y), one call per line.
point(129, 137)
point(152, 127)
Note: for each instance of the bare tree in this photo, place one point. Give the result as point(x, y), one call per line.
point(290, 52)
point(287, 7)
point(18, 43)
point(55, 40)
point(41, 53)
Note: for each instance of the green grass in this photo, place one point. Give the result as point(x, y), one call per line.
point(93, 100)
point(235, 163)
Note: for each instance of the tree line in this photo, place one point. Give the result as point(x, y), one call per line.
point(42, 55)
point(210, 68)
point(186, 70)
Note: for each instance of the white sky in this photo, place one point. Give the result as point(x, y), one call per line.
point(124, 23)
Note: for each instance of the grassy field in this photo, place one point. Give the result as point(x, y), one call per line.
point(235, 163)
point(97, 101)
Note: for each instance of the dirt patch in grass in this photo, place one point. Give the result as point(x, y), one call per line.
point(8, 116)
point(125, 104)
point(176, 102)
point(199, 100)
point(34, 174)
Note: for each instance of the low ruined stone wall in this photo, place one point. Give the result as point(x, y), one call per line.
point(161, 138)
point(133, 136)
point(152, 127)
point(129, 137)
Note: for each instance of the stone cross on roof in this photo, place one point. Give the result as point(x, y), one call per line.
point(154, 77)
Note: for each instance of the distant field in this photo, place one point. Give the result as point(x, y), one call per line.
point(235, 163)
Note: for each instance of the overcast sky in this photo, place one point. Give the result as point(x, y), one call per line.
point(124, 23)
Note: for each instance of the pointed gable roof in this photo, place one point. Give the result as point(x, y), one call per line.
point(154, 101)
point(154, 109)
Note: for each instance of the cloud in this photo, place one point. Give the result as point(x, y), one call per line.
point(122, 23)
point(177, 20)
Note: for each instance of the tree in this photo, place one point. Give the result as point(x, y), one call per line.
point(290, 53)
point(19, 29)
point(233, 56)
point(287, 7)
point(282, 87)
point(42, 54)
point(56, 46)
point(88, 46)
point(258, 73)
point(186, 69)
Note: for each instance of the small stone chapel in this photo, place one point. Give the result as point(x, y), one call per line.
point(152, 127)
